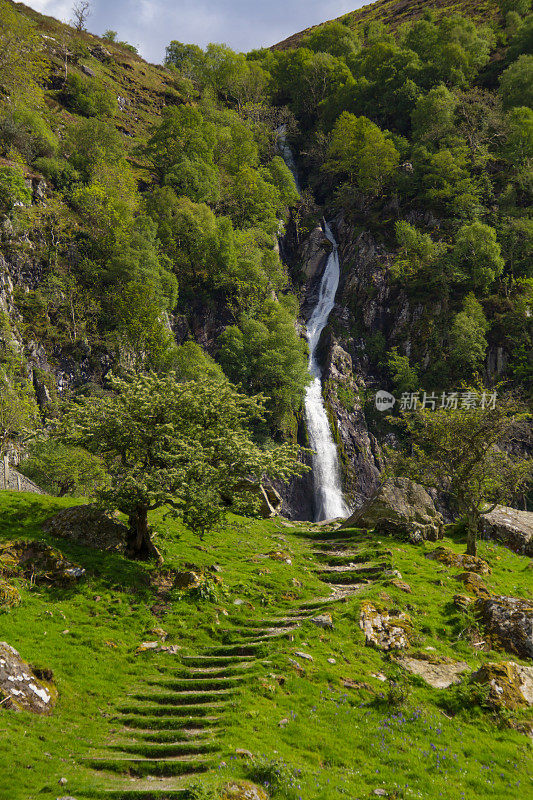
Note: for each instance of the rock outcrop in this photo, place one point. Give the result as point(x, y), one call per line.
point(38, 562)
point(439, 673)
point(23, 688)
point(386, 629)
point(400, 507)
point(461, 560)
point(510, 685)
point(88, 525)
point(511, 527)
point(243, 790)
point(509, 623)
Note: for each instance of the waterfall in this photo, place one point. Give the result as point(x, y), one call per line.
point(329, 500)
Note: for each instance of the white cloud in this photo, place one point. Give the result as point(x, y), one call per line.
point(243, 24)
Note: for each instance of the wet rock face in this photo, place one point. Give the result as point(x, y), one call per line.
point(509, 623)
point(511, 527)
point(510, 685)
point(386, 629)
point(23, 688)
point(400, 507)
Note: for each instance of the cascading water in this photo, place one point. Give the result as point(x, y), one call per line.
point(329, 499)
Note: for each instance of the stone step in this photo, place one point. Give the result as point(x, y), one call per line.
point(218, 660)
point(139, 789)
point(200, 683)
point(259, 635)
point(185, 696)
point(174, 722)
point(188, 710)
point(242, 649)
point(273, 622)
point(166, 749)
point(142, 767)
point(169, 736)
point(215, 672)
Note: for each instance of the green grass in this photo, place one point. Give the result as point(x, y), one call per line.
point(338, 742)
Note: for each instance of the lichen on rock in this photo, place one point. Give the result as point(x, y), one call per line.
point(386, 629)
point(23, 688)
point(461, 560)
point(243, 790)
point(509, 623)
point(510, 685)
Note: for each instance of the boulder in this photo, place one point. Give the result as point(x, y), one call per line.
point(23, 688)
point(437, 673)
point(510, 685)
point(511, 527)
point(461, 560)
point(402, 508)
point(386, 629)
point(473, 584)
point(90, 526)
point(39, 563)
point(243, 790)
point(509, 623)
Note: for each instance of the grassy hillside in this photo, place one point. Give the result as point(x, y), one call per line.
point(341, 720)
point(396, 12)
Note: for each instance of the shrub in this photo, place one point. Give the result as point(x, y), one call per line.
point(89, 97)
point(58, 172)
point(28, 133)
point(13, 189)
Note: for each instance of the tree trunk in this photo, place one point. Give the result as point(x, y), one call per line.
point(472, 526)
point(140, 543)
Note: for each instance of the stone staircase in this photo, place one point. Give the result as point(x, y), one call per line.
point(169, 727)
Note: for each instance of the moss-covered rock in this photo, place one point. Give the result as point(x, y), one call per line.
point(473, 584)
point(39, 563)
point(461, 560)
point(243, 790)
point(386, 629)
point(510, 685)
point(508, 622)
point(89, 526)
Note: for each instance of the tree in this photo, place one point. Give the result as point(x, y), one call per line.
point(467, 336)
point(23, 64)
point(61, 469)
point(433, 116)
point(183, 445)
point(403, 374)
point(465, 453)
point(334, 38)
point(516, 83)
point(477, 255)
point(19, 415)
point(519, 145)
point(361, 151)
point(81, 11)
point(521, 7)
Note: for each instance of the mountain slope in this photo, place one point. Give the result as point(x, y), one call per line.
point(395, 12)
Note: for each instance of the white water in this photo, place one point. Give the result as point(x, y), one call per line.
point(329, 501)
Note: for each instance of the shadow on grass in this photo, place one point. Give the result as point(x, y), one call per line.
point(22, 516)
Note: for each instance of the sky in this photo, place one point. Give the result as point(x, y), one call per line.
point(242, 24)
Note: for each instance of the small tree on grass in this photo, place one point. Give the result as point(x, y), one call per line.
point(184, 445)
point(19, 415)
point(63, 470)
point(466, 453)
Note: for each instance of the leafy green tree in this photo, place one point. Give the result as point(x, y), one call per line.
point(519, 145)
point(467, 337)
point(404, 375)
point(465, 453)
point(477, 255)
point(13, 189)
point(361, 152)
point(183, 445)
point(186, 58)
point(89, 97)
point(63, 470)
point(418, 256)
point(183, 133)
point(517, 241)
point(516, 83)
point(267, 355)
point(27, 132)
point(334, 38)
point(19, 414)
point(521, 7)
point(91, 142)
point(444, 181)
point(433, 116)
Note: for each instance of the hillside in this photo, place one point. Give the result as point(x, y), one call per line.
point(394, 13)
point(249, 687)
